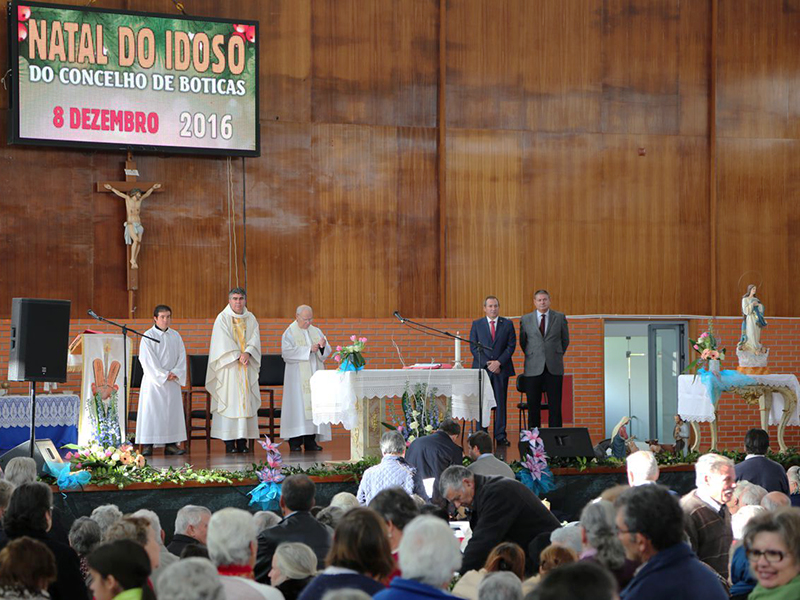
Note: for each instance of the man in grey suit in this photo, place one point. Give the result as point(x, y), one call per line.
point(544, 337)
point(483, 461)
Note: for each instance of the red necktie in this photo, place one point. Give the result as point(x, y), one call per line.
point(541, 324)
point(491, 324)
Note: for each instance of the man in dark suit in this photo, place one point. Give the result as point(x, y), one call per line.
point(502, 510)
point(298, 525)
point(544, 337)
point(757, 468)
point(499, 339)
point(432, 454)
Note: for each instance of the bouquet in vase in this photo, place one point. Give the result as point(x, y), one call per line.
point(350, 357)
point(706, 345)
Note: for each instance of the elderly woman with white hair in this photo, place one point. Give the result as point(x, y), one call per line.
point(21, 469)
point(232, 548)
point(601, 544)
point(393, 470)
point(794, 485)
point(191, 579)
point(429, 556)
point(294, 565)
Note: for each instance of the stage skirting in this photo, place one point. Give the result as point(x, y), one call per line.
point(56, 419)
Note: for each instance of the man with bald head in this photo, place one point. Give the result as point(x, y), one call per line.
point(303, 348)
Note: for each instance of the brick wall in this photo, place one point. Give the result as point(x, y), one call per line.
point(584, 360)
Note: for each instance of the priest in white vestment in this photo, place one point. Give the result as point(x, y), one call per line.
point(303, 348)
point(160, 418)
point(234, 360)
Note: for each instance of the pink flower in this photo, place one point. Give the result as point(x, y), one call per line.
point(338, 348)
point(704, 335)
point(706, 353)
point(353, 338)
point(713, 355)
point(250, 34)
point(696, 347)
point(23, 13)
point(68, 455)
point(22, 32)
point(362, 340)
point(337, 358)
point(531, 435)
point(78, 466)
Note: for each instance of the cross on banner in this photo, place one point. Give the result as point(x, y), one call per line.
point(131, 191)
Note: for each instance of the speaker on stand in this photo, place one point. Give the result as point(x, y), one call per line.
point(38, 352)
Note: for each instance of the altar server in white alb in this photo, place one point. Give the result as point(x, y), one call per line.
point(161, 420)
point(303, 348)
point(232, 377)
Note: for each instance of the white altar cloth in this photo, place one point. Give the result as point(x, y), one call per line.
point(694, 401)
point(334, 393)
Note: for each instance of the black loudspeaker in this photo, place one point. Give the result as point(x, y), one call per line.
point(39, 340)
point(564, 442)
point(43, 452)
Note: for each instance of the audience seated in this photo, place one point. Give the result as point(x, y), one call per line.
point(775, 500)
point(136, 529)
point(745, 494)
point(642, 468)
point(555, 555)
point(483, 461)
point(294, 565)
point(757, 468)
point(429, 557)
point(708, 521)
point(500, 586)
point(392, 471)
point(650, 525)
point(195, 551)
point(265, 519)
point(397, 509)
point(191, 527)
point(29, 514)
point(772, 546)
point(503, 510)
point(27, 569)
point(330, 516)
point(191, 579)
point(165, 557)
point(6, 489)
point(601, 544)
point(106, 515)
point(742, 516)
point(345, 501)
point(578, 581)
point(431, 454)
point(297, 525)
point(346, 594)
point(741, 577)
point(793, 474)
point(570, 536)
point(360, 556)
point(120, 566)
point(20, 469)
point(506, 556)
point(84, 536)
point(232, 548)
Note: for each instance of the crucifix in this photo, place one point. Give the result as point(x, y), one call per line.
point(131, 192)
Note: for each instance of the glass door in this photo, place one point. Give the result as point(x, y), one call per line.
point(666, 357)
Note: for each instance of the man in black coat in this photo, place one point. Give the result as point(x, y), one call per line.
point(757, 468)
point(432, 454)
point(298, 525)
point(503, 510)
point(499, 340)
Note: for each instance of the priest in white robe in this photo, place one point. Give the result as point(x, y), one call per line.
point(160, 419)
point(303, 348)
point(234, 360)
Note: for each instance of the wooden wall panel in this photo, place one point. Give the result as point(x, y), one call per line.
point(487, 222)
point(758, 222)
point(563, 65)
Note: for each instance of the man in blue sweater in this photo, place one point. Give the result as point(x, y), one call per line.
point(650, 526)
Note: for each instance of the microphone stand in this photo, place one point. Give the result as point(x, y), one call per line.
point(421, 327)
point(125, 329)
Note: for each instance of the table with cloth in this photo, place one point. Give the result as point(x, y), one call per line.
point(56, 419)
point(776, 396)
point(356, 399)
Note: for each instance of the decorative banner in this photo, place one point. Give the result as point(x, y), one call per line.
point(90, 76)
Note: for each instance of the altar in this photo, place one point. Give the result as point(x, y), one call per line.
point(775, 395)
point(356, 399)
point(56, 419)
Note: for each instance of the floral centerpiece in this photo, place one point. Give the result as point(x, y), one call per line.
point(535, 473)
point(350, 357)
point(421, 416)
point(706, 345)
point(96, 456)
point(267, 493)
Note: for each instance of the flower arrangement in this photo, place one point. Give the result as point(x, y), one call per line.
point(706, 345)
point(350, 357)
point(96, 456)
point(104, 419)
point(535, 473)
point(421, 416)
point(267, 493)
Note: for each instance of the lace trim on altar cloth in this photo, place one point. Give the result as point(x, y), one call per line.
point(59, 411)
point(698, 418)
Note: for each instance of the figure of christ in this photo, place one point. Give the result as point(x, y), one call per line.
point(133, 224)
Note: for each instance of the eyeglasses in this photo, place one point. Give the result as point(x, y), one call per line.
point(771, 556)
point(621, 531)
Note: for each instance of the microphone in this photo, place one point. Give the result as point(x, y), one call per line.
point(397, 316)
point(93, 314)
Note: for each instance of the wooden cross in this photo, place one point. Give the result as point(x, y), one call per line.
point(133, 207)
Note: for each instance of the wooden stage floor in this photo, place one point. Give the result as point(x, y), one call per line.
point(337, 450)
